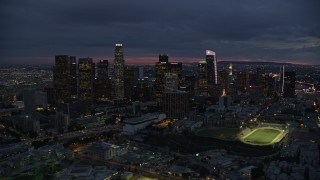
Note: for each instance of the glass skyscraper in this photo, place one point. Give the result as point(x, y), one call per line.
point(86, 79)
point(211, 60)
point(118, 71)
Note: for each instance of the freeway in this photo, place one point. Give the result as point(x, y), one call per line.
point(71, 135)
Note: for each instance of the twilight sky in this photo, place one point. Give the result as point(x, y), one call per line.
point(33, 31)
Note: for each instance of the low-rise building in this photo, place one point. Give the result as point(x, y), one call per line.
point(104, 151)
point(133, 125)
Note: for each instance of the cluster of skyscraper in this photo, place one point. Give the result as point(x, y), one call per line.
point(90, 83)
point(174, 92)
point(86, 82)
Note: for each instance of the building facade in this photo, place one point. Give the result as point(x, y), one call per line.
point(61, 78)
point(203, 78)
point(86, 79)
point(118, 71)
point(211, 60)
point(163, 67)
point(289, 84)
point(176, 104)
point(102, 82)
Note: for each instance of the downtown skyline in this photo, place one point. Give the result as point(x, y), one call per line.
point(272, 31)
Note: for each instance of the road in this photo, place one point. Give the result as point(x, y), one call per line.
point(71, 135)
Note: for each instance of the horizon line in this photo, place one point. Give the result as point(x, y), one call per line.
point(148, 60)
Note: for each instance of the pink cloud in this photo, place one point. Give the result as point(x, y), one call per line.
point(141, 60)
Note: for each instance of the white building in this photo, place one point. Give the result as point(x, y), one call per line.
point(132, 126)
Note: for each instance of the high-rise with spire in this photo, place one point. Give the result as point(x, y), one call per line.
point(118, 71)
point(211, 60)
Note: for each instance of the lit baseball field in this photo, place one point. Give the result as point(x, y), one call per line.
point(263, 136)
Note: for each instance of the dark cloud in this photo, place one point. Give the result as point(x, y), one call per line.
point(286, 30)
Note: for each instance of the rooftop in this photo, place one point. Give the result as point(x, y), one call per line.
point(144, 118)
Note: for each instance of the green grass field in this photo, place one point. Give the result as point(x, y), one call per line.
point(220, 133)
point(262, 136)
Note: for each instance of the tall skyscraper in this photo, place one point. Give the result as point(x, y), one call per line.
point(190, 84)
point(268, 85)
point(203, 78)
point(289, 82)
point(176, 68)
point(241, 81)
point(161, 70)
point(118, 71)
point(163, 67)
point(230, 85)
point(171, 81)
point(211, 60)
point(143, 91)
point(86, 79)
point(103, 69)
point(73, 78)
point(163, 58)
point(129, 81)
point(102, 82)
point(61, 78)
point(223, 78)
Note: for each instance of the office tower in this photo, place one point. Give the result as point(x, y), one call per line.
point(86, 79)
point(176, 68)
point(73, 78)
point(241, 81)
point(163, 67)
point(288, 84)
point(103, 69)
point(29, 99)
point(161, 70)
point(190, 84)
point(143, 91)
point(118, 71)
point(230, 85)
point(176, 104)
point(129, 81)
point(61, 78)
point(203, 78)
point(163, 58)
point(222, 78)
point(102, 82)
point(171, 81)
point(212, 67)
point(268, 85)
